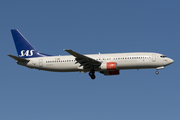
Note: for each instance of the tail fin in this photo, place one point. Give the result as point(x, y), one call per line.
point(23, 47)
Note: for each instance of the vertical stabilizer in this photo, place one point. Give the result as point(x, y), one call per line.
point(23, 47)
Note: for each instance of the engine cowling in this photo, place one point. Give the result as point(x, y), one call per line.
point(109, 66)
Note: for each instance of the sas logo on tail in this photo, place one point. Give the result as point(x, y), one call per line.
point(26, 53)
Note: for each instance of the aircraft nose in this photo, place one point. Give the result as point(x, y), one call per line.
point(171, 61)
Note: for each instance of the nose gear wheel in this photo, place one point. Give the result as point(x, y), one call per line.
point(157, 72)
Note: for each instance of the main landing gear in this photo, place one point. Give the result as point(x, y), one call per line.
point(91, 74)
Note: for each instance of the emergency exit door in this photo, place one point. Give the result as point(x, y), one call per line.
point(40, 62)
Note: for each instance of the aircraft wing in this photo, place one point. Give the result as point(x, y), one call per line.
point(18, 58)
point(85, 61)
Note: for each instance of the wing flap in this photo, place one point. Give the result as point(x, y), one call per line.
point(84, 60)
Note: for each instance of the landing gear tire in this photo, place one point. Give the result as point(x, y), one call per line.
point(91, 74)
point(93, 77)
point(157, 72)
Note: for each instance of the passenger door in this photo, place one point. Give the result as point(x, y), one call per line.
point(154, 58)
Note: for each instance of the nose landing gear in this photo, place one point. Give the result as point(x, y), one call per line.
point(159, 68)
point(157, 72)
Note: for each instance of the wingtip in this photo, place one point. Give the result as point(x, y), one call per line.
point(66, 49)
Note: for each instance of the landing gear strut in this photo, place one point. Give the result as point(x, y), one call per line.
point(91, 74)
point(159, 68)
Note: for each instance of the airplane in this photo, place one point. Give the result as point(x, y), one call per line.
point(107, 64)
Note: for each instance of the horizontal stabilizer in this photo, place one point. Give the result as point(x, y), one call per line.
point(18, 58)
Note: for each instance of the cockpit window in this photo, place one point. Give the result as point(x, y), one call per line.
point(163, 56)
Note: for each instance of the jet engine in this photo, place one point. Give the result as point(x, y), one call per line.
point(109, 68)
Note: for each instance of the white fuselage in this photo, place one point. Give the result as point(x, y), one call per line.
point(138, 60)
point(107, 64)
